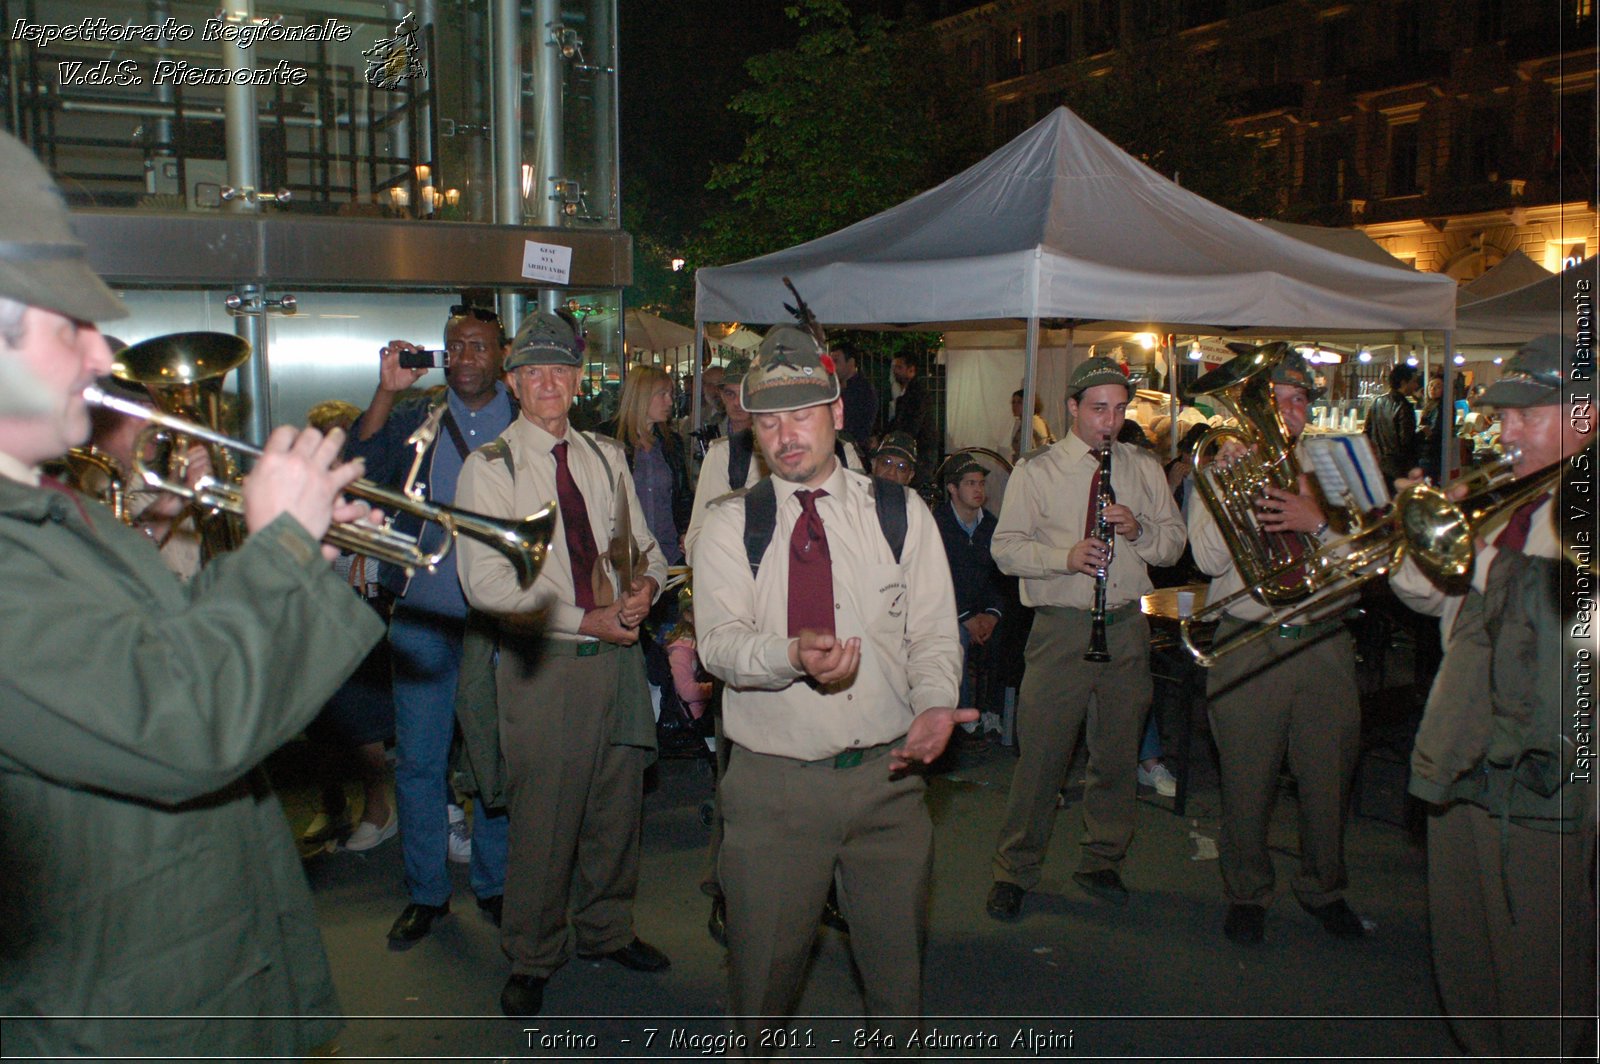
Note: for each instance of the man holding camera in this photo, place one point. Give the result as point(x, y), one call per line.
point(430, 612)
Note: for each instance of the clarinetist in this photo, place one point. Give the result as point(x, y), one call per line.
point(1046, 536)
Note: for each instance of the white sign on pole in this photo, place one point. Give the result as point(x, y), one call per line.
point(546, 262)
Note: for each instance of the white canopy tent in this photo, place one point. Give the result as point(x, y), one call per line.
point(1545, 306)
point(1062, 224)
point(1514, 271)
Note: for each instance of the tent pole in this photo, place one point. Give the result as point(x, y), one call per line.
point(1447, 417)
point(1172, 396)
point(694, 409)
point(1029, 370)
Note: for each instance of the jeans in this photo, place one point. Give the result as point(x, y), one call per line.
point(427, 658)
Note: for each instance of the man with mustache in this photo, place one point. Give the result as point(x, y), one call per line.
point(153, 903)
point(841, 659)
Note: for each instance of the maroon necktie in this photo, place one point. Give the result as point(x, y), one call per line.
point(1515, 535)
point(580, 537)
point(810, 570)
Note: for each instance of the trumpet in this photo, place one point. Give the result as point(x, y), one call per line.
point(1422, 524)
point(97, 475)
point(524, 542)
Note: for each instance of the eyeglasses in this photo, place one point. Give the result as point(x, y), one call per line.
point(462, 310)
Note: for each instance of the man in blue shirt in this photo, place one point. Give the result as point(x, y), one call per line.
point(430, 611)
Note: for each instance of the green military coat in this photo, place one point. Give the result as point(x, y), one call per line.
point(146, 869)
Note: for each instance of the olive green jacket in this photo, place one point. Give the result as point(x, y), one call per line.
point(1495, 732)
point(145, 866)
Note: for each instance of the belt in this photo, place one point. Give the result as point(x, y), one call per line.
point(572, 648)
point(1113, 613)
point(856, 755)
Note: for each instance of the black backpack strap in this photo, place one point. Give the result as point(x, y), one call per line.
point(890, 500)
point(741, 445)
point(450, 426)
point(760, 517)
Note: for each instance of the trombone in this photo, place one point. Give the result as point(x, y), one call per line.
point(524, 542)
point(1422, 524)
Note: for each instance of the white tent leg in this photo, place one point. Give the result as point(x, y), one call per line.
point(1029, 374)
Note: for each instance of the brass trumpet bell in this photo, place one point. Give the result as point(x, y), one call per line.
point(183, 373)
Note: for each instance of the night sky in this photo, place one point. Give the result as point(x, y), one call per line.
point(680, 63)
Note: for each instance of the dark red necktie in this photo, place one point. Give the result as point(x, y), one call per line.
point(810, 570)
point(580, 537)
point(1515, 535)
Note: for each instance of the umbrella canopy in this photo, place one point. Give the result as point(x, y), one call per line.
point(642, 331)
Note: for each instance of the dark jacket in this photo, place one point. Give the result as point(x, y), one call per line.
point(673, 450)
point(1494, 731)
point(860, 408)
point(912, 412)
point(1392, 427)
point(147, 866)
point(980, 586)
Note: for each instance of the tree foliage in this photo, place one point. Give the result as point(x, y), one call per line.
point(859, 115)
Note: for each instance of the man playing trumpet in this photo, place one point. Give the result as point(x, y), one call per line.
point(1511, 830)
point(153, 902)
point(1290, 693)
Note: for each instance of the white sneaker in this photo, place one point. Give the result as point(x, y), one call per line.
point(460, 836)
point(1165, 783)
point(367, 834)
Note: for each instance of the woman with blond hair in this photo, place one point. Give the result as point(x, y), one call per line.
point(655, 455)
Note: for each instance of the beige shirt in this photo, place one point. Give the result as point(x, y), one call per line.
point(713, 484)
point(1211, 554)
point(12, 469)
point(905, 615)
point(1043, 517)
point(487, 486)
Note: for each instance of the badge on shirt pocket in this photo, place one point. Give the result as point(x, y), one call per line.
point(887, 593)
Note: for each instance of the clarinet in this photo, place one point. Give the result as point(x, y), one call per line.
point(1107, 535)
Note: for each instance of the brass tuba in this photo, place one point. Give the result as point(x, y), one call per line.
point(184, 373)
point(1279, 567)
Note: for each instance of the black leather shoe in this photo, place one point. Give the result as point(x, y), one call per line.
point(832, 915)
point(492, 907)
point(638, 955)
point(523, 996)
point(1005, 901)
point(414, 924)
point(1104, 884)
point(1246, 924)
point(1338, 919)
point(718, 924)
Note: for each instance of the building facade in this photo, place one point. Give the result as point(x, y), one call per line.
point(1453, 133)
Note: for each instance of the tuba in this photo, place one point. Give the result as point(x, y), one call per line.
point(184, 373)
point(1280, 567)
point(1295, 575)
